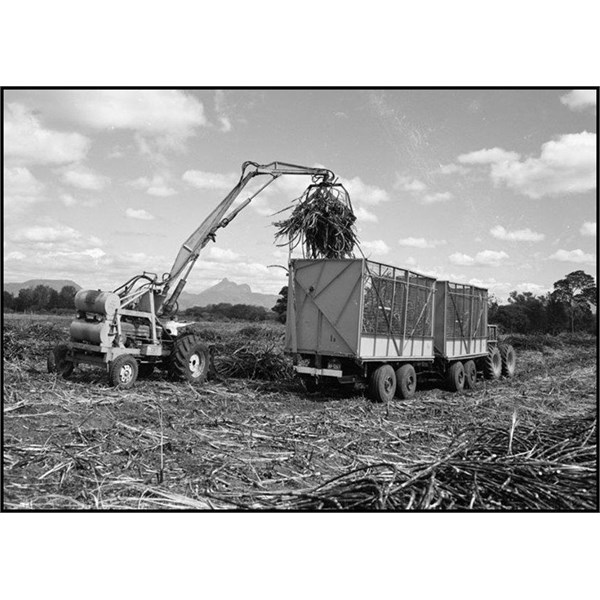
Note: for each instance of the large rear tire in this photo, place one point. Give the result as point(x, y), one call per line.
point(189, 359)
point(470, 375)
point(123, 372)
point(455, 378)
point(58, 362)
point(406, 382)
point(509, 360)
point(382, 384)
point(492, 364)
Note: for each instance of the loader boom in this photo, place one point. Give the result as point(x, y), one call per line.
point(191, 248)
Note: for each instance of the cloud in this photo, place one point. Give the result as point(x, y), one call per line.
point(363, 193)
point(488, 258)
point(574, 256)
point(412, 242)
point(52, 236)
point(436, 197)
point(376, 247)
point(408, 184)
point(519, 235)
point(221, 110)
point(488, 156)
point(566, 165)
point(84, 178)
point(452, 169)
point(588, 228)
point(365, 216)
point(579, 99)
point(157, 186)
point(221, 254)
point(410, 261)
point(205, 180)
point(27, 142)
point(21, 189)
point(141, 214)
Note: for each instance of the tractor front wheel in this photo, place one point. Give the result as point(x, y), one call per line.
point(189, 360)
point(123, 372)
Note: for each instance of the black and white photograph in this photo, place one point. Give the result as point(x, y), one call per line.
point(390, 307)
point(299, 300)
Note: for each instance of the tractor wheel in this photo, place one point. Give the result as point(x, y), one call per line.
point(406, 382)
point(455, 377)
point(58, 362)
point(509, 360)
point(189, 359)
point(145, 369)
point(123, 371)
point(492, 365)
point(382, 384)
point(470, 375)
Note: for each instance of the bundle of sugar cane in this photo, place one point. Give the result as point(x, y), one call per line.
point(322, 222)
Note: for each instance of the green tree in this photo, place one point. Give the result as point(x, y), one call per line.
point(281, 305)
point(577, 291)
point(66, 297)
point(8, 300)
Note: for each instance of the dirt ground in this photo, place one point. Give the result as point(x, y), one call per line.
point(518, 444)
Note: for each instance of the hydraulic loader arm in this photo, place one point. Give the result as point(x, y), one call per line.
point(190, 250)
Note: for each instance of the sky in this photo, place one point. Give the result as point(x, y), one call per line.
point(495, 188)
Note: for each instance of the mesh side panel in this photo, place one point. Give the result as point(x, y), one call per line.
point(388, 311)
point(465, 315)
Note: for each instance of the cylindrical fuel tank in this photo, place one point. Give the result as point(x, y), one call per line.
point(94, 333)
point(95, 301)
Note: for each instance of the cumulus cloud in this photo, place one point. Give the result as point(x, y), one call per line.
point(519, 235)
point(51, 236)
point(206, 180)
point(221, 254)
point(156, 186)
point(488, 156)
point(84, 178)
point(588, 228)
point(365, 216)
point(21, 189)
point(574, 256)
point(453, 169)
point(408, 184)
point(579, 99)
point(364, 193)
point(566, 165)
point(27, 141)
point(221, 110)
point(412, 242)
point(140, 213)
point(375, 247)
point(436, 197)
point(489, 258)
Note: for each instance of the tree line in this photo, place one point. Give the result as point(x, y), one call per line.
point(41, 298)
point(568, 307)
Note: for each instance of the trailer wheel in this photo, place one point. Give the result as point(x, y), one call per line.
point(382, 384)
point(470, 375)
point(509, 360)
point(123, 371)
point(406, 382)
point(456, 377)
point(189, 359)
point(492, 365)
point(57, 361)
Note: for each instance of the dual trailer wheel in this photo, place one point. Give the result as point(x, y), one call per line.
point(385, 382)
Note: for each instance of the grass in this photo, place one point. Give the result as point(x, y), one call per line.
point(262, 442)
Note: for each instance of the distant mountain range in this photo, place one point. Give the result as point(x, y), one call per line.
point(55, 284)
point(224, 291)
point(229, 292)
